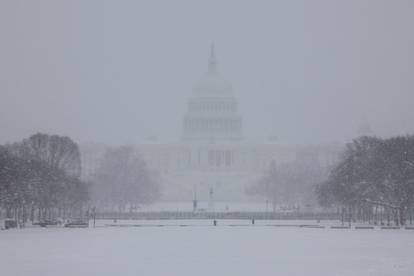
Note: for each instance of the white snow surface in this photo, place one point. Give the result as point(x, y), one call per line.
point(203, 249)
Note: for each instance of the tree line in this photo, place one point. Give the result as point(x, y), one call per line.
point(374, 177)
point(40, 179)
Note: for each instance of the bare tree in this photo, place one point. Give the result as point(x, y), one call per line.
point(288, 184)
point(123, 179)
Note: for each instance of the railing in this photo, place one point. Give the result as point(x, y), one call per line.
point(219, 215)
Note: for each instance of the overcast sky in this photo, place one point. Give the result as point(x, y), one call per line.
point(120, 71)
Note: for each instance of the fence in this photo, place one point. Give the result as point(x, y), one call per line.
point(219, 215)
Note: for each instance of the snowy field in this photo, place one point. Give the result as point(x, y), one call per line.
point(205, 250)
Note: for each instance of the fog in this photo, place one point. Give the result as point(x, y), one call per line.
point(213, 137)
point(120, 71)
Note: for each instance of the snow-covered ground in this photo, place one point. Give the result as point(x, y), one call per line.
point(205, 250)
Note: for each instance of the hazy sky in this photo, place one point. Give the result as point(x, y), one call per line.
point(120, 71)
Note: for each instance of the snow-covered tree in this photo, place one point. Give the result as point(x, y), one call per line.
point(59, 152)
point(41, 173)
point(373, 172)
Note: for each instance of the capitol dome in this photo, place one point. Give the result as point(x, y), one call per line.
point(213, 85)
point(212, 112)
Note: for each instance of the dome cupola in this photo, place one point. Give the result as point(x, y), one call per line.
point(212, 84)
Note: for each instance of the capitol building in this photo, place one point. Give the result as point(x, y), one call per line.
point(212, 162)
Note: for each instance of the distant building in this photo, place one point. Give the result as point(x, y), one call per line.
point(212, 157)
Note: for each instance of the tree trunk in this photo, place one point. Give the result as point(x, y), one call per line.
point(24, 210)
point(401, 213)
point(8, 212)
point(395, 214)
point(388, 217)
point(32, 213)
